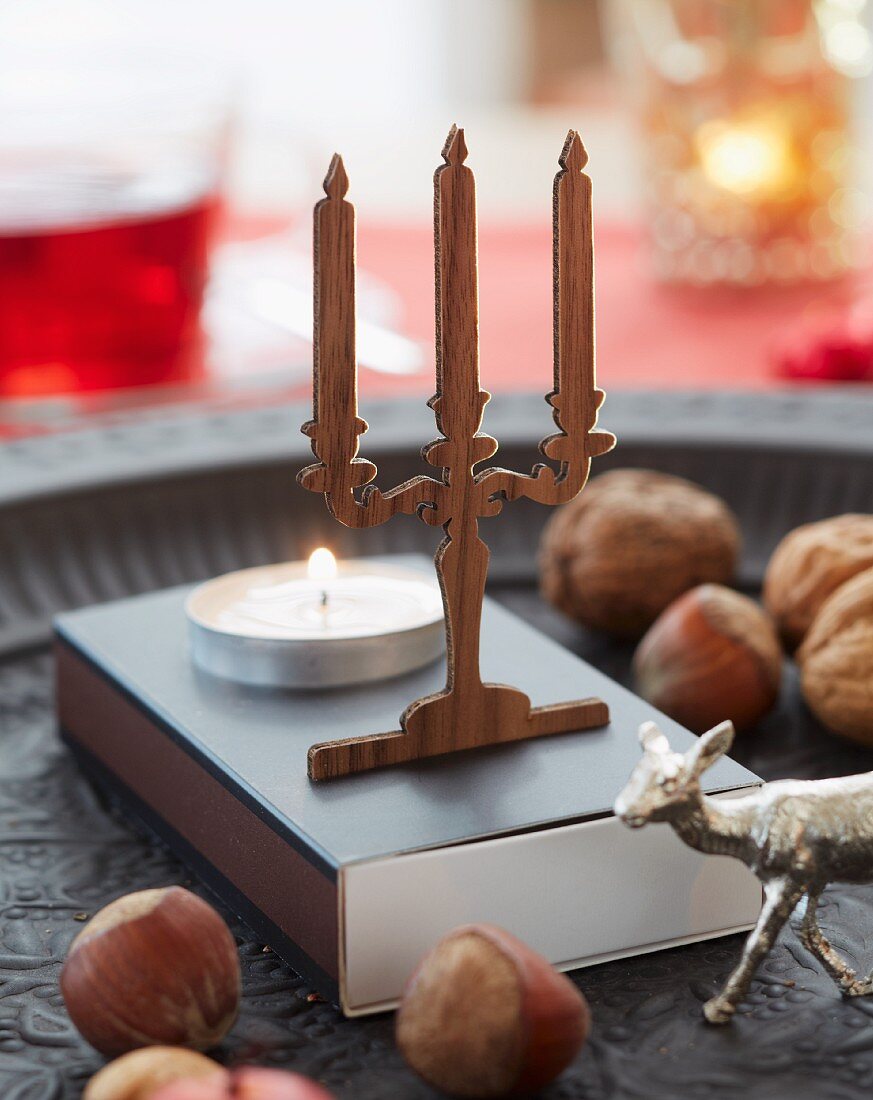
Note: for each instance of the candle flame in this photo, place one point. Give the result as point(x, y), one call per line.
point(322, 565)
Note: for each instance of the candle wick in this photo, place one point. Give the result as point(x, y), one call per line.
point(324, 597)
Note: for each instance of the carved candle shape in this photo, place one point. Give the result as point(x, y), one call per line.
point(457, 294)
point(336, 382)
point(574, 302)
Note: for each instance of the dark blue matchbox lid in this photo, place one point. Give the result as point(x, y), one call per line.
point(256, 739)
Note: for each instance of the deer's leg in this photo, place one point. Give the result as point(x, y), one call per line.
point(814, 940)
point(780, 897)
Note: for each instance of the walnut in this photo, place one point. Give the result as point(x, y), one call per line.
point(836, 660)
point(632, 542)
point(809, 564)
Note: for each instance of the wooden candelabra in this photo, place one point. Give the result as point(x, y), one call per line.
point(467, 713)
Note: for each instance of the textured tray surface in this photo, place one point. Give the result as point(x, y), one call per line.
point(66, 540)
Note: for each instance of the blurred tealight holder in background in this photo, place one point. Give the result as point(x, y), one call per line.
point(746, 117)
point(110, 180)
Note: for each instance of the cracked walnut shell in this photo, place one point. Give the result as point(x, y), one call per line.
point(809, 564)
point(632, 542)
point(836, 660)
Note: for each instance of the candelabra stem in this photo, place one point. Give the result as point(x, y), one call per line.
point(467, 712)
point(462, 567)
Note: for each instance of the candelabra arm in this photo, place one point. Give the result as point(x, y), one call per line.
point(421, 495)
point(374, 507)
point(547, 484)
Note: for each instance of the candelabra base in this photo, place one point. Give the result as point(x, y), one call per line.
point(431, 727)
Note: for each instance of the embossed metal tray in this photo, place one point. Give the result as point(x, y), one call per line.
point(136, 504)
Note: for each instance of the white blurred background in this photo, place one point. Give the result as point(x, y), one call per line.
point(379, 80)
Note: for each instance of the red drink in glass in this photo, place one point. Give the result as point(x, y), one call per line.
point(111, 163)
point(101, 279)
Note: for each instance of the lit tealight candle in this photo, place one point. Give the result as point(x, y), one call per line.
point(316, 624)
point(752, 157)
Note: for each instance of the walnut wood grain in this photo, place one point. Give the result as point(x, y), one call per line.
point(335, 428)
point(467, 713)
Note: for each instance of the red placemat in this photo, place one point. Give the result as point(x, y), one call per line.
point(648, 335)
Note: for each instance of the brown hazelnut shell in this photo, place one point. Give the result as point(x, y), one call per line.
point(484, 1015)
point(632, 542)
point(836, 660)
point(811, 563)
point(139, 1074)
point(713, 655)
point(158, 967)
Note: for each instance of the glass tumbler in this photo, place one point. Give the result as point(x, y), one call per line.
point(110, 179)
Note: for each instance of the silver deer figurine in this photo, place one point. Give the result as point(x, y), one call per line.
point(797, 836)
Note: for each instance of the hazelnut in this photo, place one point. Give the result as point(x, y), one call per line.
point(140, 1073)
point(836, 660)
point(809, 564)
point(155, 967)
point(247, 1084)
point(483, 1015)
point(712, 655)
point(632, 542)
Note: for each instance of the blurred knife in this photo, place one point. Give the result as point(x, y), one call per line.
point(290, 308)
